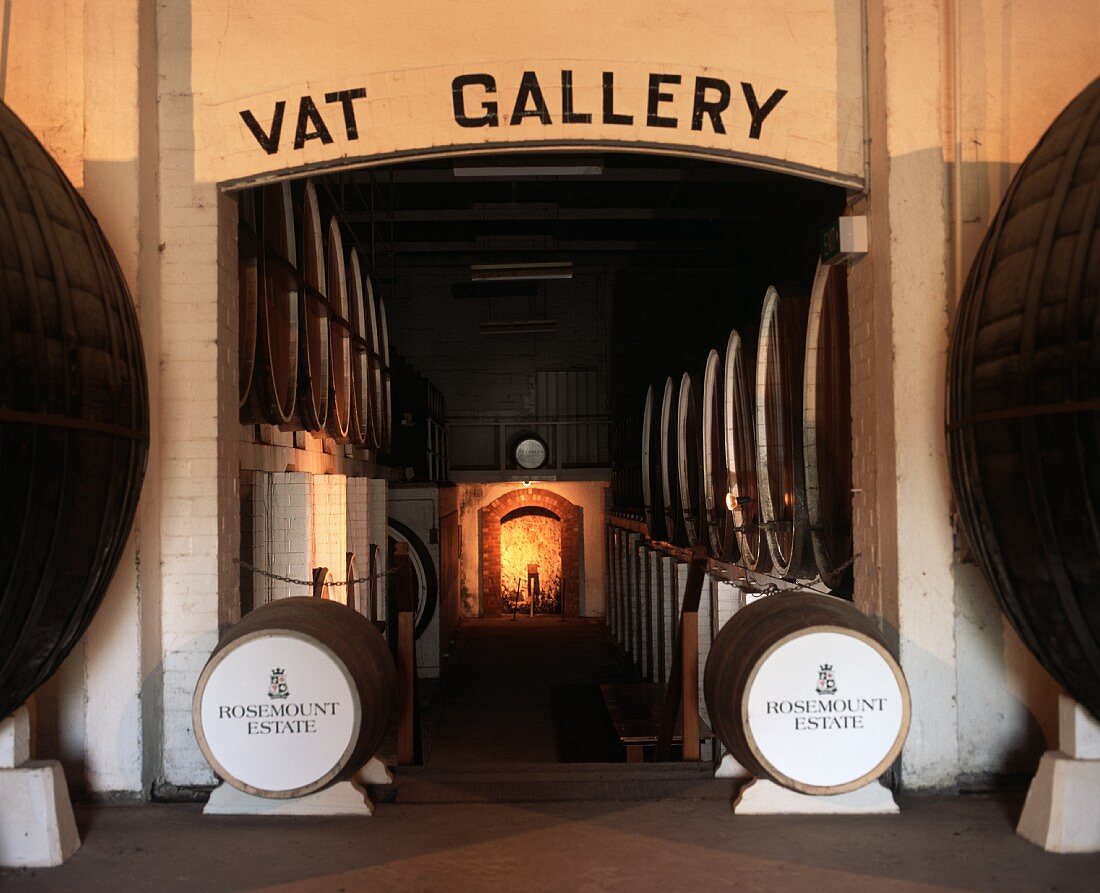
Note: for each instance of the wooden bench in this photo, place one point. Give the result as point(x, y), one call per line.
point(636, 710)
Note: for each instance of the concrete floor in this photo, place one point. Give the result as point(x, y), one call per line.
point(514, 796)
point(956, 843)
point(525, 691)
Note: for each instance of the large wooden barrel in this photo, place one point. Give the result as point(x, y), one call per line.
point(689, 459)
point(827, 428)
point(779, 464)
point(670, 489)
point(715, 479)
point(297, 696)
point(74, 414)
point(386, 392)
point(313, 356)
point(802, 689)
point(336, 288)
point(740, 428)
point(273, 395)
point(378, 374)
point(359, 423)
point(651, 466)
point(248, 289)
point(1024, 401)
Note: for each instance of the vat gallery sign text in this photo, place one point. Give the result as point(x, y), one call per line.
point(661, 101)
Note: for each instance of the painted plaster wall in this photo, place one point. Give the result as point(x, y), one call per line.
point(589, 495)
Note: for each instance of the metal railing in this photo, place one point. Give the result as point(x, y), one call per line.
point(484, 444)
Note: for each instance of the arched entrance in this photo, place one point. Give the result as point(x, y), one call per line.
point(529, 501)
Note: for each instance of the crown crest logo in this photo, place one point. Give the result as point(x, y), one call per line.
point(278, 689)
point(826, 681)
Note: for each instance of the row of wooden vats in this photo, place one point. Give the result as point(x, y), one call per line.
point(750, 456)
point(314, 345)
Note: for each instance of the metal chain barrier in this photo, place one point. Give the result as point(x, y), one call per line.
point(309, 583)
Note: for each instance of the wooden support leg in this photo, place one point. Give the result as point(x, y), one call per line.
point(635, 753)
point(406, 690)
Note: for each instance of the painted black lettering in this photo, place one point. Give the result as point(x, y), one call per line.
point(269, 141)
point(656, 97)
point(458, 85)
point(712, 108)
point(609, 115)
point(529, 89)
point(346, 98)
point(759, 112)
point(568, 116)
point(308, 115)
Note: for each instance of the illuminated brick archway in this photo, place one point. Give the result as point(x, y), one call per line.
point(530, 497)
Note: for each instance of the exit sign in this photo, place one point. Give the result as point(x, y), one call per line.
point(844, 239)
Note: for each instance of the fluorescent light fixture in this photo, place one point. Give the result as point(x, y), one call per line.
point(502, 272)
point(519, 327)
point(519, 167)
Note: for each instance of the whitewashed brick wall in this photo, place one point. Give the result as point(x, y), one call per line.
point(300, 522)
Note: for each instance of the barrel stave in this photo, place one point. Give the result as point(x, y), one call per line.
point(780, 467)
point(670, 491)
point(827, 428)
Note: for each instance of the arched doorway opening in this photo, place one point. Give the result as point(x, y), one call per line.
point(522, 528)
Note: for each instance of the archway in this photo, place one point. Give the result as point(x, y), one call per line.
point(530, 501)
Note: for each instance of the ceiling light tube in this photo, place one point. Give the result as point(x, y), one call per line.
point(519, 168)
point(519, 327)
point(502, 272)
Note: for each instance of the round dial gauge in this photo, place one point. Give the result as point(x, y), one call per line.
point(530, 453)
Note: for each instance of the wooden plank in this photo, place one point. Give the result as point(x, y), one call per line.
point(408, 715)
point(406, 707)
point(636, 708)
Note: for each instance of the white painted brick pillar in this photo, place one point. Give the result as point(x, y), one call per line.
point(329, 529)
point(378, 510)
point(704, 641)
point(675, 576)
point(197, 403)
point(653, 561)
point(359, 541)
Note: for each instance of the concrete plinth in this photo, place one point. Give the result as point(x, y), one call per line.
point(374, 772)
point(37, 828)
point(344, 798)
point(730, 768)
point(1062, 810)
point(762, 797)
